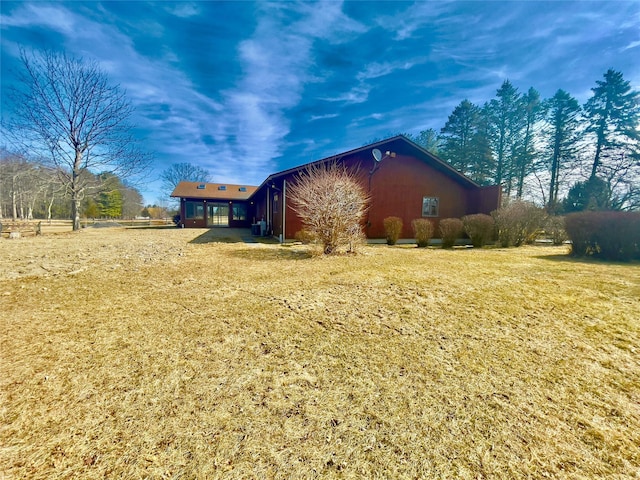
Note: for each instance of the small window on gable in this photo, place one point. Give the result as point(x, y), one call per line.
point(201, 186)
point(430, 206)
point(222, 187)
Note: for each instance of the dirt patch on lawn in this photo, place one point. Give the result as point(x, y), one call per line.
point(70, 253)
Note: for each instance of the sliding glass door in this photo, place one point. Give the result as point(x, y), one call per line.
point(218, 215)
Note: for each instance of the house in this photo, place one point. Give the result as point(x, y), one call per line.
point(402, 178)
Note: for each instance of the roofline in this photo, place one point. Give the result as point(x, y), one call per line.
point(441, 163)
point(216, 184)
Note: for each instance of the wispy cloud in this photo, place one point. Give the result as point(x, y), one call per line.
point(376, 69)
point(631, 45)
point(184, 9)
point(313, 118)
point(51, 16)
point(357, 94)
point(276, 62)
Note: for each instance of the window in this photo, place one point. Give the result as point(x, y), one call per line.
point(430, 206)
point(239, 211)
point(194, 209)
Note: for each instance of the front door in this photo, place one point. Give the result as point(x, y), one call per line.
point(218, 214)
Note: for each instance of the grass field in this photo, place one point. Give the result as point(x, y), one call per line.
point(152, 353)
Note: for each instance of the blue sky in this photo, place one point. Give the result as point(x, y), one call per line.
point(246, 89)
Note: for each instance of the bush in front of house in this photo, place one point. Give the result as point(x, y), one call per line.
point(331, 204)
point(450, 230)
point(422, 230)
point(518, 222)
point(608, 235)
point(479, 227)
point(392, 229)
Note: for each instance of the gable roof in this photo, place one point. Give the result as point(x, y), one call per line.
point(399, 145)
point(221, 191)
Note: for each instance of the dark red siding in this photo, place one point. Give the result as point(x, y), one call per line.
point(397, 187)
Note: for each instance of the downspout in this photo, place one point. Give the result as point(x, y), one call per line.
point(267, 210)
point(284, 210)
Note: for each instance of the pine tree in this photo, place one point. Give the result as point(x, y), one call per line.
point(427, 139)
point(613, 115)
point(458, 135)
point(506, 122)
point(561, 113)
point(524, 160)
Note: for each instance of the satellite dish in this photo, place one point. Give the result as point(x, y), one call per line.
point(377, 154)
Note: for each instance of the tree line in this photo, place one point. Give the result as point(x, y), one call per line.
point(33, 189)
point(568, 156)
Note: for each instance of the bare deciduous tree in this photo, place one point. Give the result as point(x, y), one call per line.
point(183, 172)
point(68, 113)
point(332, 205)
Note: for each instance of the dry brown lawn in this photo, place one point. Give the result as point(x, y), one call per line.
point(150, 353)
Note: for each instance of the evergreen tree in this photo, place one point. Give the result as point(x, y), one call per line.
point(458, 135)
point(427, 139)
point(613, 116)
point(524, 160)
point(483, 162)
point(592, 194)
point(110, 204)
point(561, 113)
point(506, 122)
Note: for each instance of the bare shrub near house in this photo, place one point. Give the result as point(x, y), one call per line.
point(518, 222)
point(422, 230)
point(450, 230)
point(331, 204)
point(479, 227)
point(392, 229)
point(554, 228)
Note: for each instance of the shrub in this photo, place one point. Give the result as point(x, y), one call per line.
point(332, 205)
point(608, 235)
point(479, 227)
point(392, 229)
point(450, 230)
point(554, 228)
point(518, 222)
point(422, 230)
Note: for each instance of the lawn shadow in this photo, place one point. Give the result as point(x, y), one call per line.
point(150, 227)
point(271, 254)
point(567, 258)
point(231, 235)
